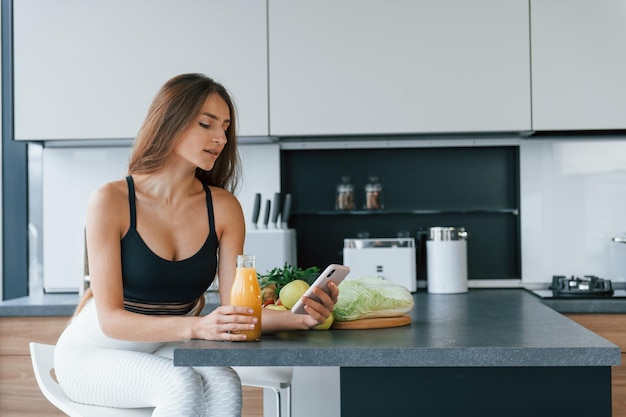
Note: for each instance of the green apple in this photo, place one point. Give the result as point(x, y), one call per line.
point(276, 307)
point(327, 323)
point(291, 293)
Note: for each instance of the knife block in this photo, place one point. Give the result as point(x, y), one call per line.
point(272, 248)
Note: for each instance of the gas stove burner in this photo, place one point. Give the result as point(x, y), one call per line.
point(589, 286)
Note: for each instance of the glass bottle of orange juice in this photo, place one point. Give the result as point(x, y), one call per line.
point(247, 292)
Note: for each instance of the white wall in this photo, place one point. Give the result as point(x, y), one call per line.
point(69, 177)
point(261, 174)
point(573, 201)
point(315, 391)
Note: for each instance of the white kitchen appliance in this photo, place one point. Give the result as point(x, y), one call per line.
point(446, 260)
point(391, 258)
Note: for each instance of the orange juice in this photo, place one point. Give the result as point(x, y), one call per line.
point(247, 292)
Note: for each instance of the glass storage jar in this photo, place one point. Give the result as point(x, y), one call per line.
point(345, 195)
point(373, 194)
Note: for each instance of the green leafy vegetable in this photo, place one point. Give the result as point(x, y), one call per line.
point(283, 276)
point(369, 297)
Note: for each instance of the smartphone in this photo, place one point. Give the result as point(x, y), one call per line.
point(333, 272)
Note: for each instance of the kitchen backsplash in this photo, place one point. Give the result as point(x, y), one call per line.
point(573, 196)
point(452, 184)
point(573, 201)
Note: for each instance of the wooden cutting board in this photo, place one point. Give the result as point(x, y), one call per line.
point(373, 323)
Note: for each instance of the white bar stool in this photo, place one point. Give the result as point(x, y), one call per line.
point(42, 357)
point(277, 378)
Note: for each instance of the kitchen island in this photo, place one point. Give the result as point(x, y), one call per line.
point(487, 352)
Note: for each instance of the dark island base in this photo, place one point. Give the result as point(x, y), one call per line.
point(443, 392)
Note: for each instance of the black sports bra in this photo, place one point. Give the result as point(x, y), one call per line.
point(157, 286)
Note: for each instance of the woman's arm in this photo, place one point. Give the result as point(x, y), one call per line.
point(231, 231)
point(277, 320)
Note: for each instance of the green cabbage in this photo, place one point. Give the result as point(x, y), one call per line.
point(369, 297)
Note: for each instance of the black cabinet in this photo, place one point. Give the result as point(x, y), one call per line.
point(473, 187)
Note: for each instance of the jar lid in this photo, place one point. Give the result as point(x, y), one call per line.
point(448, 233)
point(345, 188)
point(373, 184)
point(373, 187)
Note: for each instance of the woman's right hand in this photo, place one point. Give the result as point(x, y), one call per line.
point(221, 322)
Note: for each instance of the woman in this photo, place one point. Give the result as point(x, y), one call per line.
point(155, 241)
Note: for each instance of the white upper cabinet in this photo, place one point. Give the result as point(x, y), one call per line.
point(89, 69)
point(578, 64)
point(395, 67)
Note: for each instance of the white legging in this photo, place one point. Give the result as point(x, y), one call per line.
point(95, 369)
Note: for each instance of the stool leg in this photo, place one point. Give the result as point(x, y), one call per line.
point(278, 402)
point(288, 401)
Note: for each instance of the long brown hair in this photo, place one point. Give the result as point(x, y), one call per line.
point(174, 108)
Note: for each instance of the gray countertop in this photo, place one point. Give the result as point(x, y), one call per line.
point(40, 305)
point(485, 327)
point(55, 305)
point(482, 328)
point(64, 305)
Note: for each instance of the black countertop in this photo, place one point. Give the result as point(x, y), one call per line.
point(612, 305)
point(482, 328)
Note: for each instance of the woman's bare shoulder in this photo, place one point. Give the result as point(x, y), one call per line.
point(107, 211)
point(112, 192)
point(225, 205)
point(110, 202)
point(223, 197)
